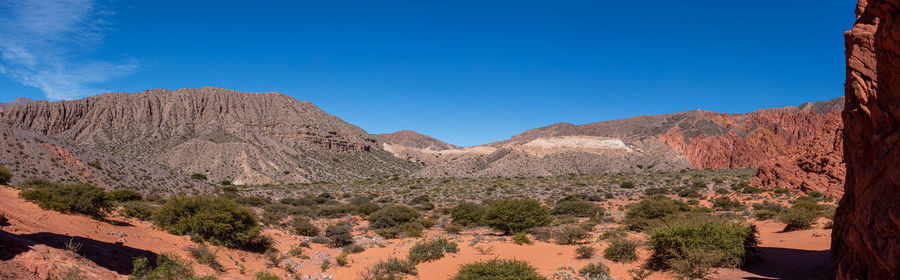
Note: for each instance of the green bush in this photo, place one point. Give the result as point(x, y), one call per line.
point(430, 250)
point(656, 191)
point(621, 250)
point(340, 234)
point(453, 228)
point(627, 185)
point(168, 266)
point(303, 227)
point(570, 235)
point(214, 219)
point(577, 208)
point(391, 269)
point(521, 239)
point(498, 270)
point(265, 275)
point(204, 255)
point(368, 209)
point(467, 214)
point(596, 270)
point(763, 215)
point(5, 175)
point(74, 198)
point(584, 252)
point(677, 240)
point(125, 195)
point(516, 215)
point(199, 176)
point(651, 211)
point(798, 218)
point(724, 203)
point(690, 193)
point(392, 216)
point(138, 209)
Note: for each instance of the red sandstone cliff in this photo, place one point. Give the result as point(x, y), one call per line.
point(866, 237)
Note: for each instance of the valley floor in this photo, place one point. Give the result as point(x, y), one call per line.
point(33, 245)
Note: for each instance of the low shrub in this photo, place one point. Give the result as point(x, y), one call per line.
point(516, 215)
point(5, 175)
point(73, 198)
point(430, 250)
point(340, 234)
point(204, 255)
point(389, 269)
point(584, 252)
point(199, 176)
point(265, 275)
point(570, 235)
point(798, 218)
point(577, 208)
point(368, 209)
point(621, 250)
point(467, 214)
point(650, 211)
point(392, 216)
point(453, 228)
point(138, 209)
point(498, 270)
point(167, 266)
point(763, 215)
point(724, 203)
point(681, 238)
point(656, 191)
point(125, 195)
point(596, 270)
point(627, 185)
point(303, 227)
point(214, 219)
point(521, 239)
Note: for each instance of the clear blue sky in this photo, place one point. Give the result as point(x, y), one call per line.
point(467, 72)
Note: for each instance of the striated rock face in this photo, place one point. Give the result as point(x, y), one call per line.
point(250, 138)
point(866, 236)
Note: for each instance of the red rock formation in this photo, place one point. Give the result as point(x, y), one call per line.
point(866, 237)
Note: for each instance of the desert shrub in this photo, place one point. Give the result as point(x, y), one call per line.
point(204, 255)
point(627, 185)
point(167, 266)
point(453, 228)
point(303, 201)
point(353, 249)
point(392, 216)
point(252, 201)
point(763, 215)
point(199, 176)
point(125, 195)
point(734, 243)
point(214, 219)
point(690, 193)
point(265, 275)
point(807, 203)
point(695, 264)
point(621, 250)
point(467, 214)
point(721, 191)
point(303, 227)
point(498, 270)
point(138, 209)
point(336, 210)
point(596, 270)
point(725, 203)
point(521, 239)
point(651, 210)
point(430, 250)
point(390, 269)
point(368, 209)
point(817, 195)
point(656, 191)
point(798, 218)
point(516, 215)
point(768, 205)
point(342, 260)
point(74, 198)
point(5, 175)
point(577, 208)
point(274, 213)
point(570, 235)
point(340, 234)
point(584, 252)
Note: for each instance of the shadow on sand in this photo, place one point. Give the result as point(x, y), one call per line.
point(783, 263)
point(112, 256)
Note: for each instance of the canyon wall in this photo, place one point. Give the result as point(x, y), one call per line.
point(866, 237)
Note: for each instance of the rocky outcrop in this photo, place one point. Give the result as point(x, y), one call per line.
point(866, 236)
point(250, 138)
point(414, 139)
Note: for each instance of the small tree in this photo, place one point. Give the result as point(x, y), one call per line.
point(467, 214)
point(516, 215)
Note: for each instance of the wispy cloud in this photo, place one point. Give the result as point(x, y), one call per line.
point(45, 44)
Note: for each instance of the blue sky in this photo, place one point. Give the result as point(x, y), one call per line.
point(467, 72)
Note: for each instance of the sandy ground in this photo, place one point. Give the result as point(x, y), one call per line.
point(792, 255)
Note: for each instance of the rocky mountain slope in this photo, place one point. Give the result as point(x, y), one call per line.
point(414, 139)
point(793, 146)
point(866, 236)
point(249, 138)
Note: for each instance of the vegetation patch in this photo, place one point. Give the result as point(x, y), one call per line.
point(498, 270)
point(217, 220)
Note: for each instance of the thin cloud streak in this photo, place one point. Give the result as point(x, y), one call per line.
point(43, 44)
